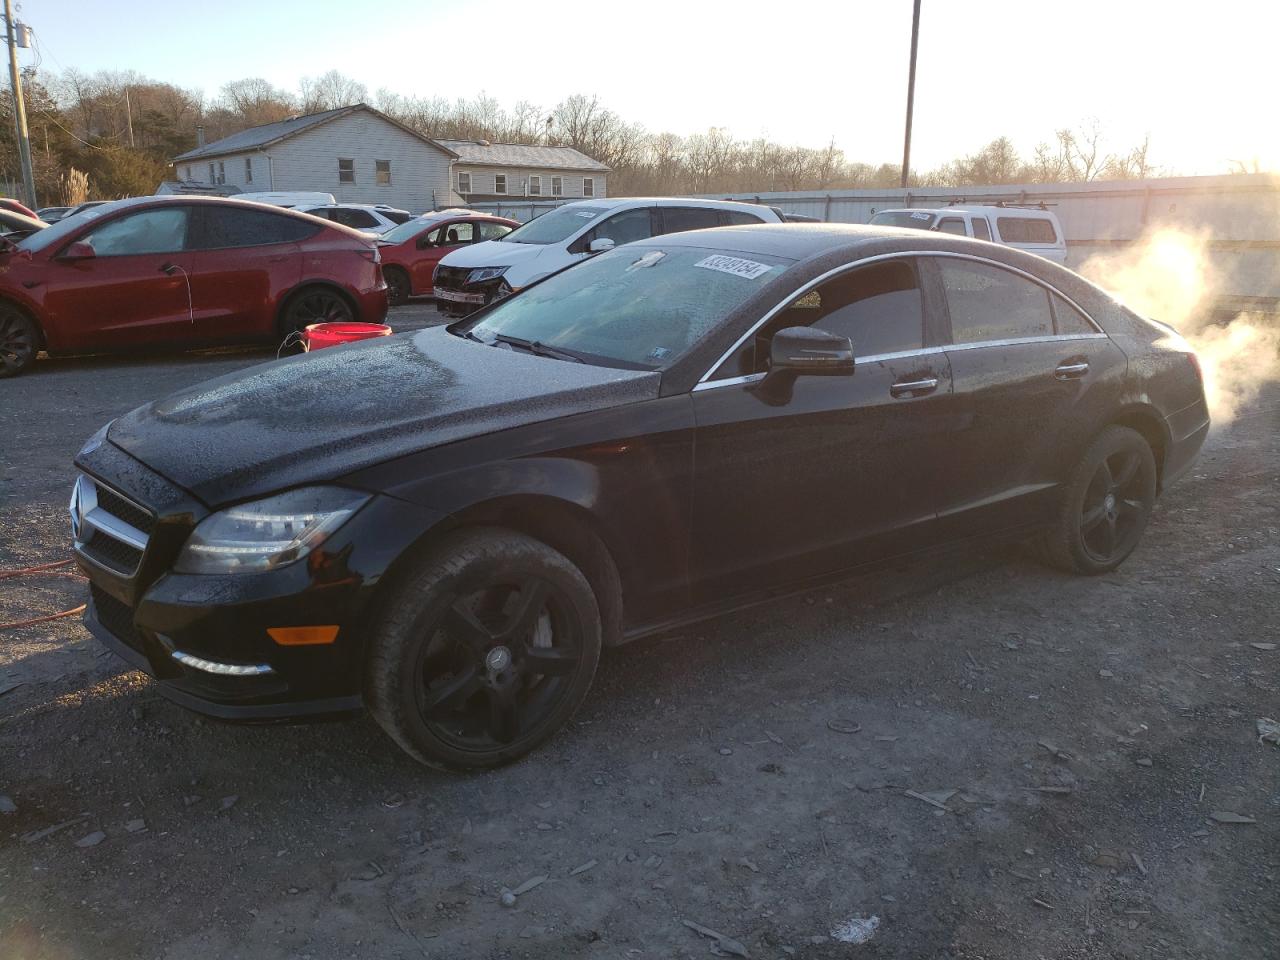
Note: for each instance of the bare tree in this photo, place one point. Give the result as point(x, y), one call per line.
point(329, 91)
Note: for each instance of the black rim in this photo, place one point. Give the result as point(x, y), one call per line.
point(497, 664)
point(17, 341)
point(319, 307)
point(397, 287)
point(1114, 504)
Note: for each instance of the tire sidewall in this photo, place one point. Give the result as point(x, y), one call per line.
point(287, 325)
point(33, 331)
point(1111, 441)
point(412, 610)
point(402, 278)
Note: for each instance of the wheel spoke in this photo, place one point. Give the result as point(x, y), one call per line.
point(504, 717)
point(1109, 537)
point(1137, 506)
point(450, 694)
point(550, 661)
point(530, 602)
point(462, 622)
point(1092, 518)
point(1104, 474)
point(1127, 470)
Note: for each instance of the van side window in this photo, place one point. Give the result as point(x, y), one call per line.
point(981, 230)
point(625, 227)
point(738, 218)
point(1026, 230)
point(952, 225)
point(679, 219)
point(987, 303)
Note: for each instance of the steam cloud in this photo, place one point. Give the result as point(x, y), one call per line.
point(1168, 275)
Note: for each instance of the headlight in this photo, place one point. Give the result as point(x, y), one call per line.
point(480, 274)
point(503, 291)
point(269, 533)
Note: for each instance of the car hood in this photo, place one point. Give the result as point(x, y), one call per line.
point(494, 253)
point(320, 416)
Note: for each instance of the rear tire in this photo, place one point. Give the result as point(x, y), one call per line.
point(1105, 505)
point(19, 341)
point(314, 305)
point(398, 286)
point(482, 650)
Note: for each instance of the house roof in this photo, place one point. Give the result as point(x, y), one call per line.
point(255, 138)
point(484, 153)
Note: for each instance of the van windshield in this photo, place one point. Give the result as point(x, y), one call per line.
point(559, 224)
point(918, 219)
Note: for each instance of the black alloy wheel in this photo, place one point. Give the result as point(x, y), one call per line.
point(316, 305)
point(1106, 504)
point(397, 286)
point(19, 342)
point(483, 650)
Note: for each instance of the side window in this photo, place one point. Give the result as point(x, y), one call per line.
point(464, 183)
point(588, 186)
point(151, 231)
point(432, 239)
point(397, 216)
point(456, 233)
point(492, 231)
point(358, 219)
point(248, 169)
point(221, 227)
point(625, 227)
point(679, 219)
point(535, 186)
point(382, 173)
point(1026, 230)
point(346, 170)
point(321, 212)
point(739, 218)
point(500, 183)
point(981, 229)
point(952, 225)
point(1067, 319)
point(987, 303)
point(557, 186)
point(879, 307)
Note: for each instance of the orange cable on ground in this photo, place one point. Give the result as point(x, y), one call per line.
point(45, 569)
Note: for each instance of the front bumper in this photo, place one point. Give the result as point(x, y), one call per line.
point(460, 300)
point(222, 621)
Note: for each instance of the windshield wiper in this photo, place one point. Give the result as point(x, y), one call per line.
point(537, 348)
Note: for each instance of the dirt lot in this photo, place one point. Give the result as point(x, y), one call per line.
point(1066, 743)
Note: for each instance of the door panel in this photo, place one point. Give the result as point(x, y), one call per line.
point(840, 472)
point(237, 290)
point(120, 301)
point(451, 237)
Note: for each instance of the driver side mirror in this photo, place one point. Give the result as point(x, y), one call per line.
point(806, 350)
point(80, 250)
point(7, 246)
point(601, 245)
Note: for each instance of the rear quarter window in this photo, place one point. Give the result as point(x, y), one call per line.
point(1026, 230)
point(988, 303)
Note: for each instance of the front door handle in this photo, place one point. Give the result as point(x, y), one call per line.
point(1071, 371)
point(906, 387)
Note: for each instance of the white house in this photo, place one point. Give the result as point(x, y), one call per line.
point(356, 153)
point(485, 171)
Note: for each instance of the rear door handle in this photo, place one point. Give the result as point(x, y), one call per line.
point(1071, 371)
point(906, 387)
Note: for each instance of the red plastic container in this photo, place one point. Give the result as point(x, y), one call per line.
point(321, 335)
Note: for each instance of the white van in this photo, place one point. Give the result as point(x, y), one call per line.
point(289, 198)
point(474, 275)
point(1033, 229)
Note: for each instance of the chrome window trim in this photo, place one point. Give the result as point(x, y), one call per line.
point(908, 354)
point(845, 268)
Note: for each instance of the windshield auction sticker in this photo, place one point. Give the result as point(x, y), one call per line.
point(747, 269)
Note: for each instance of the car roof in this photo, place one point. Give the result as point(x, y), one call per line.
point(975, 208)
point(615, 203)
point(797, 241)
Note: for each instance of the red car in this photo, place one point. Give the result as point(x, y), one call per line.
point(178, 271)
point(411, 251)
point(17, 206)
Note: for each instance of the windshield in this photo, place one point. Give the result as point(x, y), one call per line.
point(51, 235)
point(559, 224)
point(638, 306)
point(918, 219)
point(407, 230)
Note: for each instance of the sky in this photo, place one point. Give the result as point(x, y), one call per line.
point(1198, 78)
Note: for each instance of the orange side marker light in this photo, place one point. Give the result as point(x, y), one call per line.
point(302, 636)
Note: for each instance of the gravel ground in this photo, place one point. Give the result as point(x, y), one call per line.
point(1066, 743)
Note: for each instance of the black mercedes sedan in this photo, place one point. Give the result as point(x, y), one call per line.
point(447, 527)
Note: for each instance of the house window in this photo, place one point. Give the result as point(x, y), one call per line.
point(500, 183)
point(248, 169)
point(464, 183)
point(188, 175)
point(346, 170)
point(222, 172)
point(588, 186)
point(557, 186)
point(382, 173)
point(213, 176)
point(535, 186)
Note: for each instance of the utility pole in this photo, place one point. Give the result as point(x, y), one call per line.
point(911, 93)
point(19, 108)
point(128, 113)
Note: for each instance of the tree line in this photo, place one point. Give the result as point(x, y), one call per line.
point(120, 130)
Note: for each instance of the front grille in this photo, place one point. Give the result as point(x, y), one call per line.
point(451, 278)
point(115, 616)
point(112, 553)
point(118, 506)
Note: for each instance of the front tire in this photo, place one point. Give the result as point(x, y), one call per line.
point(19, 341)
point(1105, 505)
point(398, 286)
point(483, 650)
